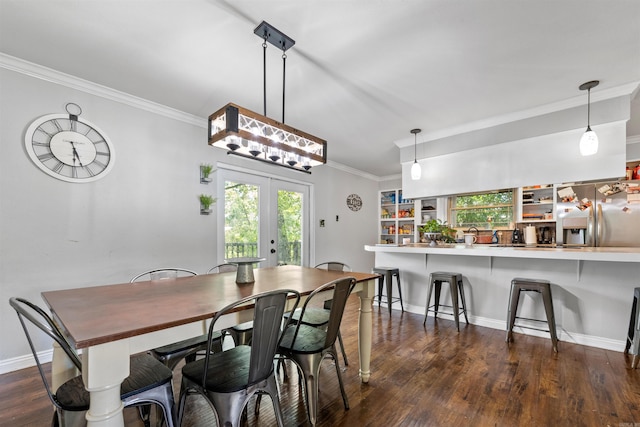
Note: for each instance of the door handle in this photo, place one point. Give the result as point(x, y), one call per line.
point(273, 251)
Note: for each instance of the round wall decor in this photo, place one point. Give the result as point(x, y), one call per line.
point(354, 202)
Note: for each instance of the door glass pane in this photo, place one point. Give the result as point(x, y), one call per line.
point(289, 227)
point(241, 220)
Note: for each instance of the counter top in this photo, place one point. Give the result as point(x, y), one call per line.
point(611, 254)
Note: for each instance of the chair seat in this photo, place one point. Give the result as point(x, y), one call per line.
point(312, 316)
point(228, 371)
point(243, 327)
point(185, 345)
point(310, 339)
point(147, 373)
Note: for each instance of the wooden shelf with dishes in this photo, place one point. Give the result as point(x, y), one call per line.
point(396, 218)
point(537, 203)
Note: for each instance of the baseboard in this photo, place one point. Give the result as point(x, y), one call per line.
point(563, 335)
point(22, 362)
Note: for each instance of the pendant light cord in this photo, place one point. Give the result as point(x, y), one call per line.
point(264, 76)
point(589, 109)
point(284, 72)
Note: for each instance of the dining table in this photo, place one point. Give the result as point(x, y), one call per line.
point(108, 323)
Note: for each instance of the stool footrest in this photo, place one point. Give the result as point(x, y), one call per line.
point(431, 308)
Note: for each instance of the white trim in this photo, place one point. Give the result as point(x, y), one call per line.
point(633, 139)
point(353, 171)
point(48, 74)
point(563, 336)
point(26, 361)
point(576, 101)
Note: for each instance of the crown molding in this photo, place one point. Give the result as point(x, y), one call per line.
point(602, 95)
point(53, 76)
point(353, 171)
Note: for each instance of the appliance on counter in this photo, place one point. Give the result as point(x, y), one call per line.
point(516, 237)
point(596, 214)
point(530, 235)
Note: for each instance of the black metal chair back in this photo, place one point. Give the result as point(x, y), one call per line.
point(163, 273)
point(41, 320)
point(229, 379)
point(333, 266)
point(223, 268)
point(341, 290)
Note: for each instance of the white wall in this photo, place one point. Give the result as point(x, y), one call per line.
point(143, 214)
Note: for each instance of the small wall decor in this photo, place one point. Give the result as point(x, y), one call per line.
point(205, 203)
point(354, 202)
point(205, 171)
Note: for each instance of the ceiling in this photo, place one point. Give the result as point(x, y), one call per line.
point(362, 73)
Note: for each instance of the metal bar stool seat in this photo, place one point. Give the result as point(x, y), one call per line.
point(387, 274)
point(633, 337)
point(531, 285)
point(457, 292)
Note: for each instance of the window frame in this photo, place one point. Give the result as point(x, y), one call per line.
point(451, 208)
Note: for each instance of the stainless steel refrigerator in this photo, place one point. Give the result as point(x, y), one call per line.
point(598, 214)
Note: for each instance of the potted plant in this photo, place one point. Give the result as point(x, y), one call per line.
point(436, 229)
point(205, 171)
point(205, 203)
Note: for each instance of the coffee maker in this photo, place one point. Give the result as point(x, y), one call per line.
point(516, 237)
point(545, 235)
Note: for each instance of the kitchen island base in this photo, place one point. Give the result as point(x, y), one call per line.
point(591, 308)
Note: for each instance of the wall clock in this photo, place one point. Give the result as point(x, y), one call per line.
point(68, 147)
point(354, 202)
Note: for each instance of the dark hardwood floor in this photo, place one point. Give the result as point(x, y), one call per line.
point(424, 376)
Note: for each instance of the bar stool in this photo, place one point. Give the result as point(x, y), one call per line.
point(455, 284)
point(633, 337)
point(534, 285)
point(388, 273)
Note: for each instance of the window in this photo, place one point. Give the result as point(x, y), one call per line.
point(482, 210)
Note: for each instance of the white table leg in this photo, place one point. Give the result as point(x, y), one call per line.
point(365, 324)
point(62, 368)
point(104, 367)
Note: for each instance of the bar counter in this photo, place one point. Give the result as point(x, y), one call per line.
point(611, 254)
point(592, 287)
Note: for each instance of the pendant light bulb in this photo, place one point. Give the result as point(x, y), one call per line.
point(416, 170)
point(589, 143)
point(589, 140)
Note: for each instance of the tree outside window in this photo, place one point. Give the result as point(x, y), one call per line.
point(492, 210)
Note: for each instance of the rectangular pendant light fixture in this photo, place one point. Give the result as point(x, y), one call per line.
point(248, 134)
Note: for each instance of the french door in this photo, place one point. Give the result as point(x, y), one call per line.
point(262, 216)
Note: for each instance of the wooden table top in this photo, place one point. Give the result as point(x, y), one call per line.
point(101, 314)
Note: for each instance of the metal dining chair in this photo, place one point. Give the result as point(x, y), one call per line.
point(319, 317)
point(243, 332)
point(187, 349)
point(227, 380)
point(307, 345)
point(149, 381)
point(223, 268)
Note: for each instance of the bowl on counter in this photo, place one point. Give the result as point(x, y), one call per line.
point(483, 239)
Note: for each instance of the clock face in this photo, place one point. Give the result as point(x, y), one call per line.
point(354, 202)
point(69, 148)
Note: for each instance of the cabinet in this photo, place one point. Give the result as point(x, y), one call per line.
point(396, 218)
point(537, 203)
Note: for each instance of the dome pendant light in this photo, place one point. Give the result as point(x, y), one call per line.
point(589, 140)
point(416, 171)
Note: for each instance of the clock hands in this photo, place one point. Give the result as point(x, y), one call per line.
point(75, 152)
